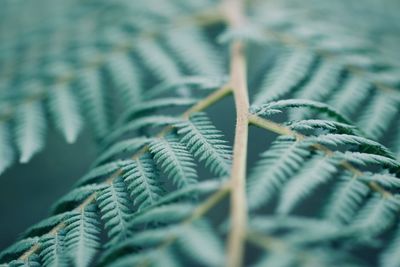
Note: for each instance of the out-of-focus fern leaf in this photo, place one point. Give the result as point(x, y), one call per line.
point(7, 154)
point(158, 60)
point(94, 101)
point(125, 77)
point(378, 115)
point(317, 171)
point(390, 257)
point(286, 75)
point(200, 242)
point(370, 217)
point(320, 86)
point(347, 198)
point(205, 142)
point(350, 96)
point(174, 160)
point(194, 51)
point(275, 167)
point(30, 130)
point(64, 109)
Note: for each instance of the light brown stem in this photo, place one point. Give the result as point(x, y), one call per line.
point(238, 81)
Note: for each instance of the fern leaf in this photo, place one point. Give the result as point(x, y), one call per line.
point(346, 139)
point(329, 126)
point(385, 180)
point(378, 115)
point(82, 236)
point(276, 166)
point(157, 60)
point(347, 198)
point(275, 107)
point(390, 256)
point(52, 252)
point(113, 202)
point(93, 100)
point(365, 159)
point(320, 86)
point(350, 96)
point(125, 77)
point(190, 46)
point(378, 215)
point(202, 244)
point(314, 173)
point(7, 153)
point(143, 182)
point(205, 142)
point(30, 130)
point(174, 160)
point(286, 75)
point(64, 109)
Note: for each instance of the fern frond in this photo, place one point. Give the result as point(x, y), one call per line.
point(347, 198)
point(158, 60)
point(287, 74)
point(205, 142)
point(370, 218)
point(322, 83)
point(114, 205)
point(284, 158)
point(143, 182)
point(350, 96)
point(194, 51)
point(200, 243)
point(82, 236)
point(53, 251)
point(125, 78)
point(30, 130)
point(277, 106)
point(92, 95)
point(314, 173)
point(378, 115)
point(390, 256)
point(65, 112)
point(7, 153)
point(174, 160)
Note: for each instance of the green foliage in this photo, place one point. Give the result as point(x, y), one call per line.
point(141, 75)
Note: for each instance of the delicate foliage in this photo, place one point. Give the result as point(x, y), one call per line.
point(205, 143)
point(141, 76)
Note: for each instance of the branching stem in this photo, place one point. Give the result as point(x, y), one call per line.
point(234, 10)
